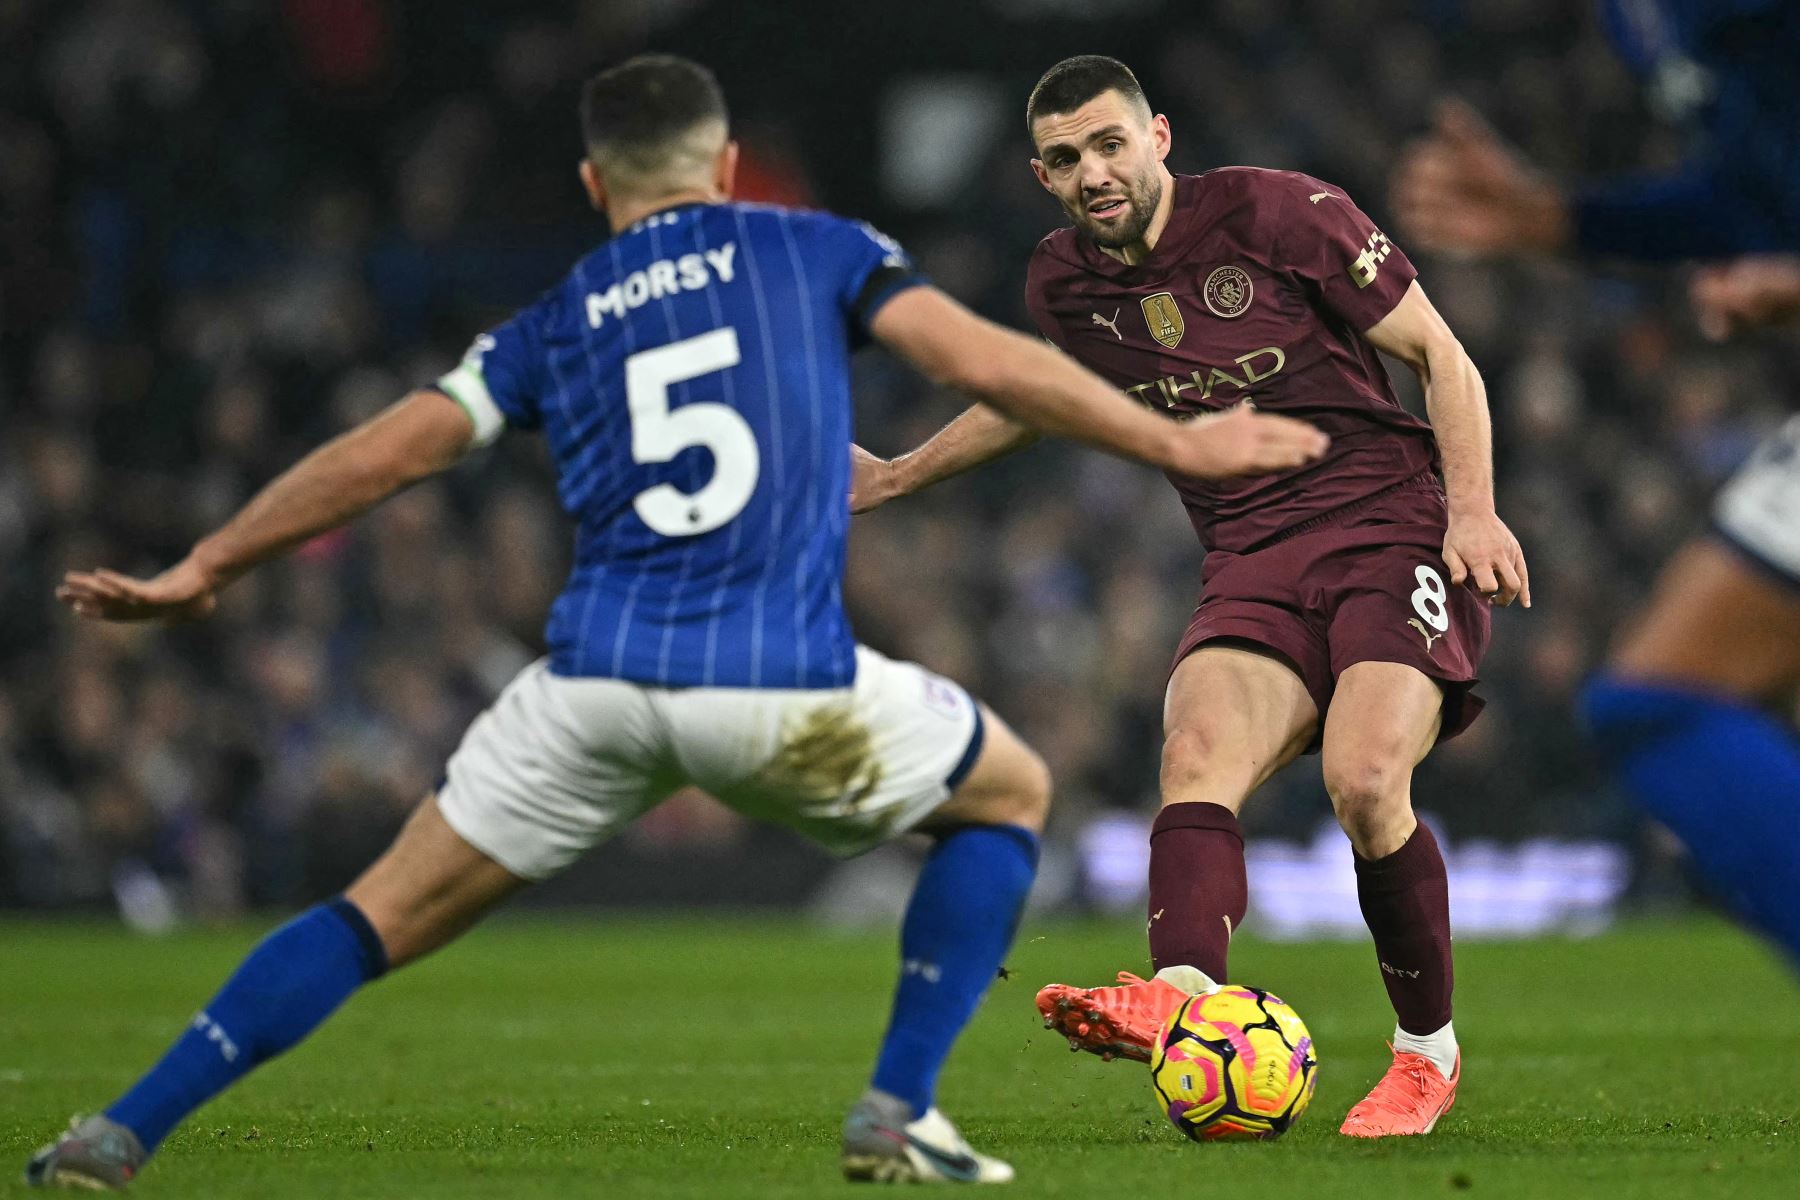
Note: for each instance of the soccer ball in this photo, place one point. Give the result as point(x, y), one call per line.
point(1234, 1064)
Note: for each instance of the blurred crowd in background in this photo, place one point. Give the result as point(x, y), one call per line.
point(229, 229)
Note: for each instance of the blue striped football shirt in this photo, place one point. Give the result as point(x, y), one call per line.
point(692, 380)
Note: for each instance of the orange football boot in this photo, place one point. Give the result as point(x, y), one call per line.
point(1408, 1101)
point(1113, 1022)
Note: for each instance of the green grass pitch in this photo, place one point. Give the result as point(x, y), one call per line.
point(681, 1057)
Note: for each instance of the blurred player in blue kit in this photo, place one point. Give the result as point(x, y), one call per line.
point(691, 380)
point(1692, 709)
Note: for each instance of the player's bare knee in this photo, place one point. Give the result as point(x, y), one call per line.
point(427, 888)
point(1371, 794)
point(1365, 779)
point(1022, 796)
point(1186, 753)
point(1375, 828)
point(1195, 767)
point(1010, 785)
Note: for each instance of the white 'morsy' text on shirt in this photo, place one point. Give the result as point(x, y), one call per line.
point(664, 277)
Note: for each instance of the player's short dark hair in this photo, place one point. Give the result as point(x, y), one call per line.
point(1072, 82)
point(636, 112)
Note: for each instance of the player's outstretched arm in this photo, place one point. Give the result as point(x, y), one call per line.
point(1461, 188)
point(978, 435)
point(1761, 289)
point(421, 435)
point(1051, 393)
point(1478, 545)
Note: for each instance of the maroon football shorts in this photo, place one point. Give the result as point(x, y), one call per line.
point(1365, 584)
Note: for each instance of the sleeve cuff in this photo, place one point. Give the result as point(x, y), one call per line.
point(883, 284)
point(466, 386)
point(1659, 218)
point(1376, 309)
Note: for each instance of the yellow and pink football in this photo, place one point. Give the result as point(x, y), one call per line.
point(1234, 1064)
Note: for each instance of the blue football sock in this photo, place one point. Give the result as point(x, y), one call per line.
point(964, 911)
point(1725, 777)
point(293, 980)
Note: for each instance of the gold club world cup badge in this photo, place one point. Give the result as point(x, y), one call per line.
point(1164, 318)
point(1227, 292)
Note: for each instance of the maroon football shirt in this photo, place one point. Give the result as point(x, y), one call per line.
point(1259, 288)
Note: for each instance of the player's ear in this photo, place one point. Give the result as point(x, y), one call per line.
point(1160, 137)
point(725, 168)
point(593, 185)
point(1043, 176)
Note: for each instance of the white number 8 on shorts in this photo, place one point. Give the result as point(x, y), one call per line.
point(1429, 597)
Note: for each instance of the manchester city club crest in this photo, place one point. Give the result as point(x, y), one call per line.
point(1164, 319)
point(1227, 292)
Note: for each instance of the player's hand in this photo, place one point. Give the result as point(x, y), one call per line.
point(1479, 548)
point(1242, 441)
point(873, 481)
point(1461, 188)
point(1761, 289)
point(183, 592)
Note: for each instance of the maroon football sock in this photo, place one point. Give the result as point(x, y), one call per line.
point(1197, 888)
point(1405, 899)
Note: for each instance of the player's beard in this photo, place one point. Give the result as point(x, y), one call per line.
point(1142, 195)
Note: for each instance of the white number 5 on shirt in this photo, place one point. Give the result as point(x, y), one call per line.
point(659, 433)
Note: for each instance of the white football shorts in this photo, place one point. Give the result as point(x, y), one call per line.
point(1758, 511)
point(557, 765)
